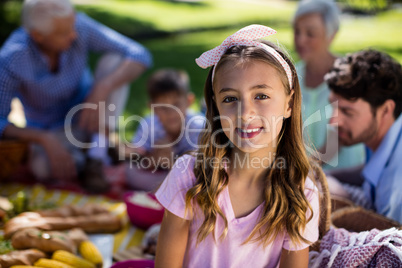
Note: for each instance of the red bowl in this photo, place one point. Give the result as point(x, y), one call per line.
point(134, 264)
point(142, 216)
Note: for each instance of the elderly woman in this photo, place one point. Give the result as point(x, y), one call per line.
point(315, 24)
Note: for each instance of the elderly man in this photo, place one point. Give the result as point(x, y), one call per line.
point(366, 93)
point(45, 64)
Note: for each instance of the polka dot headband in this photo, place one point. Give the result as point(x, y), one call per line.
point(243, 37)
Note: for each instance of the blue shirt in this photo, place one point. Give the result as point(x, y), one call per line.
point(383, 174)
point(150, 131)
point(48, 96)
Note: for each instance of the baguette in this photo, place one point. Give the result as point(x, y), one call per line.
point(73, 210)
point(46, 241)
point(24, 220)
point(98, 223)
point(20, 257)
point(77, 235)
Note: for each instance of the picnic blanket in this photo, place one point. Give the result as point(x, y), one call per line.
point(374, 248)
point(128, 237)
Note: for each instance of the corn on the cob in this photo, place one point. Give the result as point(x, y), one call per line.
point(90, 252)
point(71, 259)
point(25, 266)
point(47, 263)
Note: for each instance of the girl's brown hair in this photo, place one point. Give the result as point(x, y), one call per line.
point(285, 203)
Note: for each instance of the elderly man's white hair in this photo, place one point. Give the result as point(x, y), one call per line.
point(38, 14)
point(326, 8)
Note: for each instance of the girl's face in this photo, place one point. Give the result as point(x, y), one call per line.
point(252, 104)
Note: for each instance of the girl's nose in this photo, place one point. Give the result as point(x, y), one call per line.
point(247, 110)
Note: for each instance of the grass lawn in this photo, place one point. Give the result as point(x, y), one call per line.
point(147, 17)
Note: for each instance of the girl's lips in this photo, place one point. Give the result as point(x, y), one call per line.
point(248, 133)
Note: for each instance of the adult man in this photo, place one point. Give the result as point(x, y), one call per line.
point(366, 92)
point(44, 63)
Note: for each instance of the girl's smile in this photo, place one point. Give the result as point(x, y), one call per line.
point(248, 133)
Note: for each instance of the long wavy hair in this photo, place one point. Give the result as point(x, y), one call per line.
point(285, 204)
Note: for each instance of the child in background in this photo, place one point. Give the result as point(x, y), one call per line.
point(246, 198)
point(170, 130)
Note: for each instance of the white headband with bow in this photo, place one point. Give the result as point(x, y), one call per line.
point(244, 37)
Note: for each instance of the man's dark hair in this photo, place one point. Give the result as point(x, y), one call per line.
point(166, 81)
point(369, 74)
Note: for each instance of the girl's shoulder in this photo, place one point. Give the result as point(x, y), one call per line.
point(185, 162)
point(182, 172)
point(172, 193)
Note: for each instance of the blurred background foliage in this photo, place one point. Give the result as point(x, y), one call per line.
point(178, 31)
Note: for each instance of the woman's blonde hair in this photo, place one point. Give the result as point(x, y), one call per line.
point(285, 203)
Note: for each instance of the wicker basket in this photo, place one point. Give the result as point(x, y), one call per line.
point(339, 203)
point(12, 154)
point(358, 219)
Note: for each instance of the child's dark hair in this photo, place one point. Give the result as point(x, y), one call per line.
point(168, 80)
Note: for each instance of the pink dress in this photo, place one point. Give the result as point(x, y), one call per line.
point(228, 252)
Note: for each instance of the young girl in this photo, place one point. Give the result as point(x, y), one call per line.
point(244, 199)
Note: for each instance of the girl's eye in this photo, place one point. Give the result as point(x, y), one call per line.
point(262, 97)
point(229, 99)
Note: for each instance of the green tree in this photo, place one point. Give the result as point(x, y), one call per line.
point(365, 6)
point(10, 11)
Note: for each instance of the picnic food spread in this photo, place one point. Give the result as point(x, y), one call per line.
point(55, 237)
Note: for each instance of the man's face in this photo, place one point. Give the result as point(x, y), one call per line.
point(355, 120)
point(60, 38)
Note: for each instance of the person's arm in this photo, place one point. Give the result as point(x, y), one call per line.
point(351, 175)
point(128, 71)
point(62, 165)
point(102, 39)
point(297, 255)
point(172, 241)
point(290, 259)
point(395, 211)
